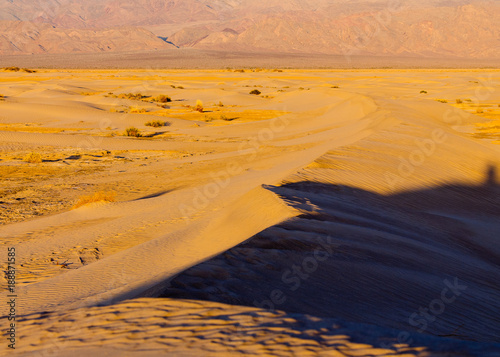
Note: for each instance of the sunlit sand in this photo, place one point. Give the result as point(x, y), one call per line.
point(270, 212)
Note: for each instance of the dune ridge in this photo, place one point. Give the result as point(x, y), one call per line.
point(329, 219)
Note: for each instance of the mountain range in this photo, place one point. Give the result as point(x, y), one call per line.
point(426, 28)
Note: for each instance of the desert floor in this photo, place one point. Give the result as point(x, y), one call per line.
point(335, 213)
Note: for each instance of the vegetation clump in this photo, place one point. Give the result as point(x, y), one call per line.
point(137, 110)
point(199, 106)
point(17, 69)
point(459, 101)
point(162, 99)
point(256, 92)
point(442, 100)
point(132, 131)
point(33, 158)
point(423, 92)
point(156, 123)
point(101, 196)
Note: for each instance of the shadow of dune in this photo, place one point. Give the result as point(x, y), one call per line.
point(424, 261)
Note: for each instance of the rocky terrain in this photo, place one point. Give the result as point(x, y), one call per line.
point(464, 28)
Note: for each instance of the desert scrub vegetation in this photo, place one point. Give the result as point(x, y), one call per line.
point(17, 69)
point(156, 123)
point(2, 97)
point(137, 110)
point(100, 196)
point(198, 106)
point(423, 92)
point(256, 92)
point(459, 101)
point(162, 99)
point(132, 131)
point(442, 100)
point(33, 158)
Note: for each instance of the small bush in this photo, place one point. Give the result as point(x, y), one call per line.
point(96, 197)
point(256, 92)
point(156, 123)
point(442, 100)
point(459, 101)
point(133, 132)
point(136, 110)
point(239, 70)
point(335, 87)
point(136, 96)
point(423, 92)
point(17, 69)
point(33, 158)
point(479, 111)
point(180, 87)
point(162, 99)
point(220, 104)
point(199, 106)
point(2, 97)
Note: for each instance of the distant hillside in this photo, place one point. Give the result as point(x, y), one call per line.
point(431, 28)
point(18, 37)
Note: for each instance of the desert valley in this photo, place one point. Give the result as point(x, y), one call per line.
point(233, 178)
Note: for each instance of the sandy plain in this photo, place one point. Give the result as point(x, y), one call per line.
point(336, 213)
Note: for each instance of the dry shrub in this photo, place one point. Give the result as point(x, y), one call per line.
point(133, 132)
point(33, 158)
point(255, 91)
point(100, 196)
point(137, 110)
point(17, 69)
point(162, 99)
point(156, 123)
point(199, 106)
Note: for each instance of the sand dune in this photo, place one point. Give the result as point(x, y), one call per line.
point(347, 201)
